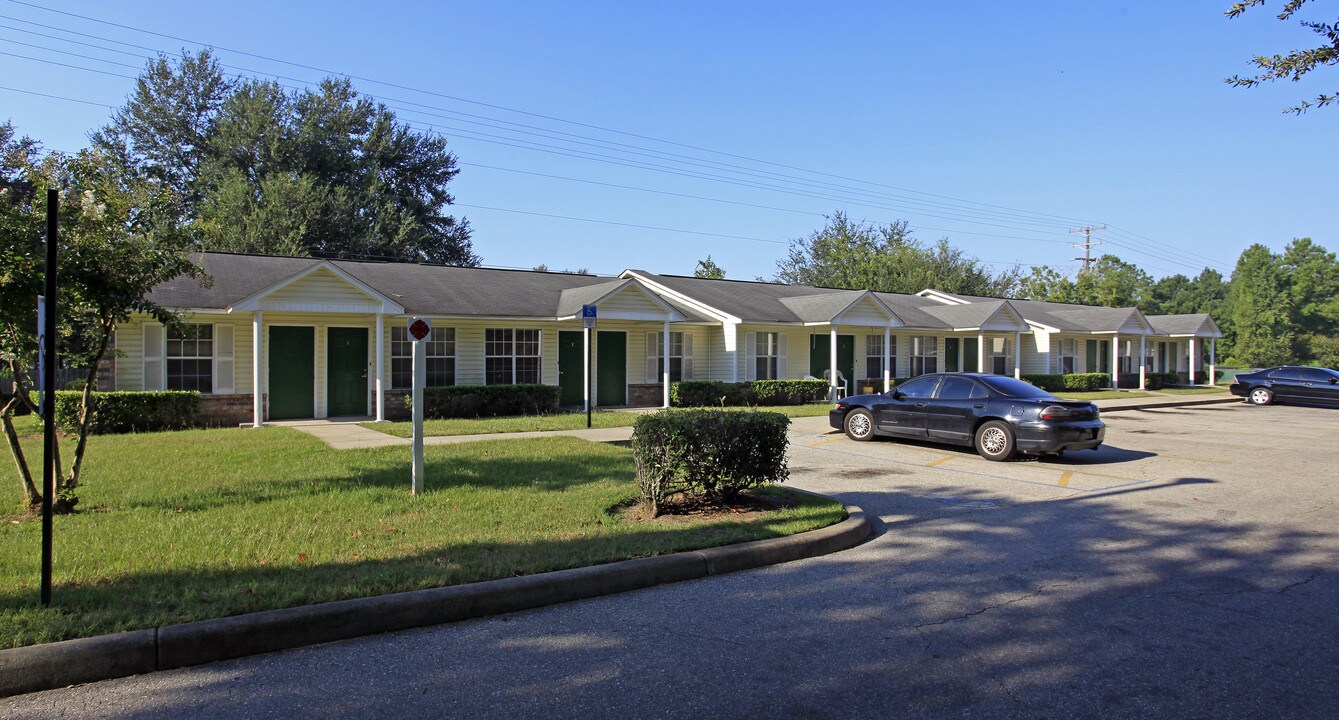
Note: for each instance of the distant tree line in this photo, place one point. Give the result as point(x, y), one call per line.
point(1276, 308)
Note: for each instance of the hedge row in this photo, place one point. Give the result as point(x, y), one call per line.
point(1152, 380)
point(124, 412)
point(1073, 382)
point(713, 393)
point(469, 401)
point(714, 454)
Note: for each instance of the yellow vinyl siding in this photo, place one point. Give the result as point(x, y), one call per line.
point(320, 287)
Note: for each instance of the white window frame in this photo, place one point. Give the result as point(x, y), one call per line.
point(764, 345)
point(1002, 354)
point(681, 349)
point(919, 359)
point(436, 351)
point(513, 343)
point(168, 358)
point(1072, 356)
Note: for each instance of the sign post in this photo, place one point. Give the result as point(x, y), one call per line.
point(419, 329)
point(49, 468)
point(588, 322)
point(41, 355)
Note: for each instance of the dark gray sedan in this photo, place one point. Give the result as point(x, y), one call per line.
point(1289, 384)
point(997, 414)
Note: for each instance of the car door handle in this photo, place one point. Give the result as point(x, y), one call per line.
point(980, 406)
point(920, 404)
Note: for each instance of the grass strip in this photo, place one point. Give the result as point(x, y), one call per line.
point(182, 526)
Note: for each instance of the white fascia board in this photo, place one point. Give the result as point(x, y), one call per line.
point(942, 297)
point(252, 302)
point(1040, 326)
point(686, 300)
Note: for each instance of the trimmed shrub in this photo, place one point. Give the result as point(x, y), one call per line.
point(708, 393)
point(711, 454)
point(129, 411)
point(469, 401)
point(788, 392)
point(1049, 383)
point(714, 393)
point(1086, 382)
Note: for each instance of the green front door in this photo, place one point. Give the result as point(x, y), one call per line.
point(292, 372)
point(346, 372)
point(612, 380)
point(571, 375)
point(971, 354)
point(820, 355)
point(950, 354)
point(1098, 360)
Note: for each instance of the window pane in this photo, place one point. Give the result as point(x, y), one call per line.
point(402, 372)
point(497, 371)
point(919, 388)
point(527, 370)
point(874, 367)
point(956, 388)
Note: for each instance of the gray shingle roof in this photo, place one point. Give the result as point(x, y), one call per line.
point(821, 308)
point(1190, 324)
point(440, 290)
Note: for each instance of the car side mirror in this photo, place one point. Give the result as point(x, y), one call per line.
point(897, 394)
point(1334, 381)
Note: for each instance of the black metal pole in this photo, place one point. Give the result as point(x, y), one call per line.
point(49, 395)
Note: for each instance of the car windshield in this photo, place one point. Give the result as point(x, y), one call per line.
point(1010, 387)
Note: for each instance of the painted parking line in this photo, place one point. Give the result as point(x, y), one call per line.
point(940, 461)
point(828, 441)
point(1064, 478)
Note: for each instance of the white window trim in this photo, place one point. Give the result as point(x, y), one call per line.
point(455, 367)
point(539, 345)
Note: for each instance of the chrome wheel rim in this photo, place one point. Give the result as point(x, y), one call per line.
point(859, 425)
point(993, 440)
point(1259, 397)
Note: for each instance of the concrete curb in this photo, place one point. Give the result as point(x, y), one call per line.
point(70, 662)
point(1175, 404)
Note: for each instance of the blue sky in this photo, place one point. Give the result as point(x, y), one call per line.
point(998, 125)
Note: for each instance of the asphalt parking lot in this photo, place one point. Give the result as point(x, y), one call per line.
point(1187, 569)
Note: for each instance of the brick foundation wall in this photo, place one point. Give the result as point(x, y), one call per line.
point(646, 395)
point(226, 410)
point(396, 407)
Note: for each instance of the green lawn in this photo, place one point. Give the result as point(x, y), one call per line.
point(1218, 390)
point(1103, 395)
point(557, 421)
point(190, 525)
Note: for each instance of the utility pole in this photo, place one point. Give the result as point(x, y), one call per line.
point(1087, 245)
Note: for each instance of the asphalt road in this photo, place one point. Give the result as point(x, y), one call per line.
point(1188, 569)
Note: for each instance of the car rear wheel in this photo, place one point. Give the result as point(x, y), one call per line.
point(995, 441)
point(1261, 396)
point(859, 425)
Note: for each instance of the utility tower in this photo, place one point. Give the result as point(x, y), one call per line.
point(1087, 245)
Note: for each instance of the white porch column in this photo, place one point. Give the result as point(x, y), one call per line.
point(981, 352)
point(1113, 358)
point(887, 375)
point(665, 376)
point(381, 368)
point(1143, 359)
point(1191, 360)
point(257, 388)
point(585, 370)
point(1213, 362)
point(832, 364)
point(1018, 355)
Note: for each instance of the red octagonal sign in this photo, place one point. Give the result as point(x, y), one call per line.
point(419, 329)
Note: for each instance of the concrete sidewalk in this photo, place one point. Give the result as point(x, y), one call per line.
point(346, 433)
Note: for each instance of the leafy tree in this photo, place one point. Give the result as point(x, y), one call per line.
point(855, 255)
point(1297, 63)
point(545, 268)
point(709, 269)
point(162, 131)
point(324, 171)
point(120, 236)
point(1112, 282)
point(1259, 297)
point(1313, 279)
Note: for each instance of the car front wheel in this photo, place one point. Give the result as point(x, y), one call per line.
point(1261, 396)
point(995, 441)
point(859, 425)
